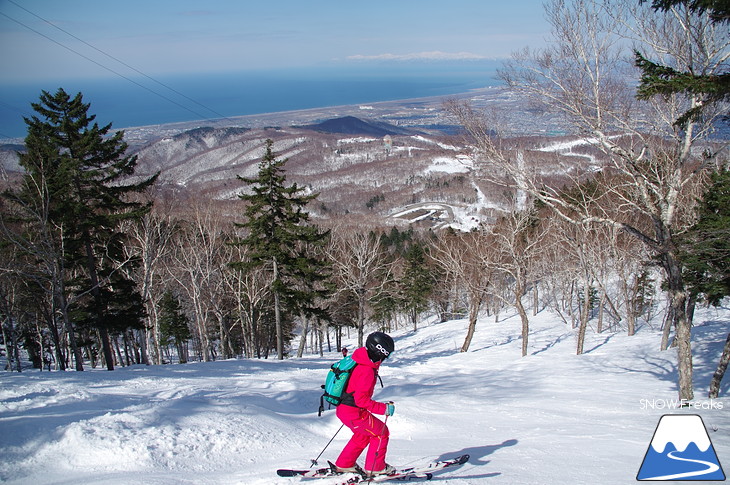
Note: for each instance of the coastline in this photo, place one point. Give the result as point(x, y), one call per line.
point(402, 112)
point(235, 96)
point(418, 112)
point(516, 118)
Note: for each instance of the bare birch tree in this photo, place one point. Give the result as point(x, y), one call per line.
point(150, 239)
point(196, 266)
point(654, 165)
point(518, 237)
point(467, 258)
point(360, 267)
point(43, 240)
point(252, 289)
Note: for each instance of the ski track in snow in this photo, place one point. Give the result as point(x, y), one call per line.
point(711, 468)
point(549, 418)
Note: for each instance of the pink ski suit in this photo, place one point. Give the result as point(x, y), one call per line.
point(367, 429)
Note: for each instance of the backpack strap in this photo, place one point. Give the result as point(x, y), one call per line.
point(348, 398)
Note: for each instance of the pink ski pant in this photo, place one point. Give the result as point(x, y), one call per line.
point(368, 431)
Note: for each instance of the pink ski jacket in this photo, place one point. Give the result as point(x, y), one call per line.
point(362, 383)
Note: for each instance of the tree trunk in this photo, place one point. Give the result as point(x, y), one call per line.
point(223, 333)
point(599, 326)
point(684, 356)
point(631, 323)
point(143, 349)
point(629, 294)
point(584, 316)
point(720, 372)
point(691, 305)
point(583, 324)
point(476, 303)
point(56, 338)
point(115, 346)
point(156, 337)
point(523, 317)
point(303, 339)
point(361, 317)
point(682, 324)
point(668, 323)
point(78, 357)
point(255, 338)
point(244, 334)
point(13, 353)
point(277, 316)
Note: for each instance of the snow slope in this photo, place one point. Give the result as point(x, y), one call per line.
point(549, 418)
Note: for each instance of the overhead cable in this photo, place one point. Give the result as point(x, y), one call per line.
point(202, 116)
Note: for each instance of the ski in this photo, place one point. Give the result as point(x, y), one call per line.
point(415, 473)
point(403, 476)
point(423, 472)
point(316, 473)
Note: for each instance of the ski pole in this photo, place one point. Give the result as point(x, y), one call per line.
point(314, 462)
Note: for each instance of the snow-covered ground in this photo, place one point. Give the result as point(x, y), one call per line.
point(548, 418)
point(455, 164)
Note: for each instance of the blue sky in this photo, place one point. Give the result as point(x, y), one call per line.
point(169, 37)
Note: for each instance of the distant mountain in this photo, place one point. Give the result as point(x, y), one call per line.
point(416, 179)
point(350, 125)
point(204, 133)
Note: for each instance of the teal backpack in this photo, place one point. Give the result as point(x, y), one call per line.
point(336, 382)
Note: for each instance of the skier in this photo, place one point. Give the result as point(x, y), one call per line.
point(357, 409)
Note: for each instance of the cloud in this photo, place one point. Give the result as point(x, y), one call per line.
point(427, 56)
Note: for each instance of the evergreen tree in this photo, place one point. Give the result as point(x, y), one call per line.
point(706, 255)
point(719, 10)
point(706, 246)
point(709, 87)
point(174, 324)
point(417, 283)
point(84, 169)
point(283, 241)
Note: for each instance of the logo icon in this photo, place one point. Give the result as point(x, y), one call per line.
point(382, 350)
point(681, 450)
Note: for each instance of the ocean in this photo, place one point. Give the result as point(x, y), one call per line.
point(141, 101)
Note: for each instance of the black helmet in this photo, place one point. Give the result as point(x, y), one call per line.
point(380, 345)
